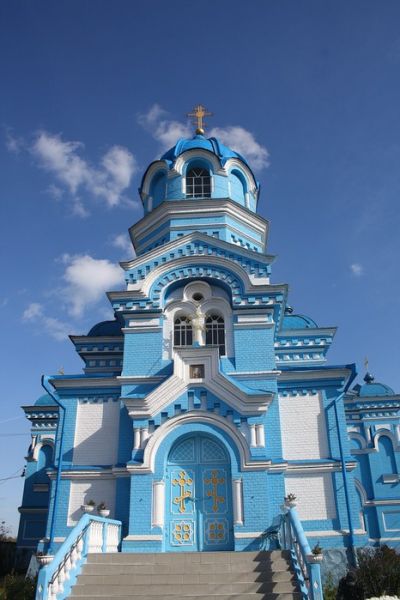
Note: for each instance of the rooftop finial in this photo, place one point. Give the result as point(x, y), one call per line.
point(368, 377)
point(197, 115)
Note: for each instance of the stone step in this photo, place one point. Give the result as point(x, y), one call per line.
point(250, 596)
point(184, 589)
point(188, 557)
point(128, 578)
point(125, 567)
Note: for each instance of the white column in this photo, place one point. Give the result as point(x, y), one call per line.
point(158, 508)
point(144, 435)
point(136, 438)
point(253, 441)
point(237, 497)
point(260, 436)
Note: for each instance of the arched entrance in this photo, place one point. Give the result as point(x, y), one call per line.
point(198, 511)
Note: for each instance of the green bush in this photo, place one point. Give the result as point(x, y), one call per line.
point(379, 571)
point(330, 589)
point(17, 587)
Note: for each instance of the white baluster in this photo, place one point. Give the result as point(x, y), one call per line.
point(144, 435)
point(95, 537)
point(112, 538)
point(237, 498)
point(136, 438)
point(253, 441)
point(158, 504)
point(260, 436)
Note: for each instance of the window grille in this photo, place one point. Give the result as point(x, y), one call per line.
point(198, 183)
point(215, 332)
point(183, 334)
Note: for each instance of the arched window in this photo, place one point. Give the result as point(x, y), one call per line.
point(215, 332)
point(183, 334)
point(198, 183)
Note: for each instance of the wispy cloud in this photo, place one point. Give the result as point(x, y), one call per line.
point(123, 242)
point(86, 280)
point(35, 313)
point(75, 177)
point(166, 131)
point(83, 284)
point(357, 269)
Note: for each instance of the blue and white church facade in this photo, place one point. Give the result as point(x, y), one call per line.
point(207, 400)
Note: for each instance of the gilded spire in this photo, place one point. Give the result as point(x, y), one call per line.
point(197, 115)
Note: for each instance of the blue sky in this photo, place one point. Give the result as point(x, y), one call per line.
point(91, 92)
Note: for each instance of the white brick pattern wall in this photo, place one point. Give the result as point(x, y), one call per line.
point(100, 490)
point(315, 498)
point(96, 434)
point(303, 427)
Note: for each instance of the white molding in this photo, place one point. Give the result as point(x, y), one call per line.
point(237, 500)
point(294, 375)
point(333, 532)
point(244, 535)
point(158, 504)
point(214, 381)
point(85, 382)
point(151, 537)
point(127, 379)
point(321, 467)
point(154, 442)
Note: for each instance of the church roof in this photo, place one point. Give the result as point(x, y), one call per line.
point(45, 400)
point(200, 141)
point(106, 329)
point(371, 388)
point(298, 322)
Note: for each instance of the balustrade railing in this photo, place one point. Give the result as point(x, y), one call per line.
point(305, 563)
point(91, 534)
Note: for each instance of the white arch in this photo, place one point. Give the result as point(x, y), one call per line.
point(206, 155)
point(235, 163)
point(154, 442)
point(389, 434)
point(357, 436)
point(39, 445)
point(155, 167)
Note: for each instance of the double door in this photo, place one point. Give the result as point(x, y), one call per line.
point(199, 496)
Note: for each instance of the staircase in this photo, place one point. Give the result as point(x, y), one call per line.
point(201, 576)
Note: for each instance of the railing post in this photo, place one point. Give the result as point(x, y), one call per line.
point(315, 581)
point(105, 536)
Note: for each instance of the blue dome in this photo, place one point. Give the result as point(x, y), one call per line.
point(298, 322)
point(106, 329)
point(45, 400)
point(199, 141)
point(375, 389)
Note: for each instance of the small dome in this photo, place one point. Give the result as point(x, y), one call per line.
point(375, 389)
point(45, 400)
point(298, 322)
point(106, 329)
point(200, 141)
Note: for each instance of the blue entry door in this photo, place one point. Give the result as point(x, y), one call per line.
point(199, 496)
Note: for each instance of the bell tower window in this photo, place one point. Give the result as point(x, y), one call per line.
point(198, 183)
point(215, 332)
point(183, 333)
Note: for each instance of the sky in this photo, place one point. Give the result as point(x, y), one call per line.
point(91, 92)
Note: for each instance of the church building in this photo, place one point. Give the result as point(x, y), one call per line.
point(208, 400)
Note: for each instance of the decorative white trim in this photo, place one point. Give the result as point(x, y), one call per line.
point(47, 441)
point(333, 532)
point(214, 381)
point(321, 467)
point(244, 535)
point(151, 537)
point(158, 504)
point(154, 442)
point(237, 498)
point(85, 382)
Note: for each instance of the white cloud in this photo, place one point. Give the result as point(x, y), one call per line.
point(109, 181)
point(357, 269)
point(243, 141)
point(167, 131)
point(32, 312)
point(123, 242)
point(163, 129)
point(87, 279)
point(14, 143)
point(54, 327)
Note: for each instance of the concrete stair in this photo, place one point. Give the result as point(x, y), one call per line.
point(194, 575)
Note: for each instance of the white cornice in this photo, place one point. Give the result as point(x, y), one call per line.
point(212, 207)
point(214, 381)
point(192, 237)
point(315, 332)
point(85, 382)
point(320, 467)
point(314, 374)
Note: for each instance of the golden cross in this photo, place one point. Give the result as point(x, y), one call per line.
point(184, 494)
point(214, 481)
point(366, 362)
point(197, 115)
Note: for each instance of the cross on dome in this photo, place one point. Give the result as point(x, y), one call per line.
point(197, 115)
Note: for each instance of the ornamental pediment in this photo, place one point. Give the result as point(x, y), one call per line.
point(198, 367)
